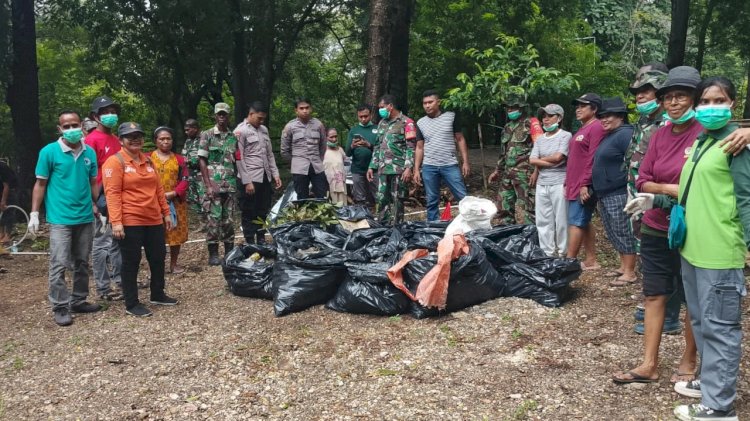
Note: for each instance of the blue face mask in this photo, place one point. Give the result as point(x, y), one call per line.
point(647, 107)
point(713, 117)
point(685, 117)
point(514, 115)
point(383, 112)
point(551, 128)
point(109, 120)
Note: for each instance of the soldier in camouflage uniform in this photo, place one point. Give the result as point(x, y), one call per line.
point(648, 80)
point(196, 193)
point(393, 159)
point(514, 166)
point(217, 150)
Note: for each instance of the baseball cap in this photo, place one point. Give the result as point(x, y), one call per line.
point(613, 105)
point(221, 107)
point(103, 102)
point(682, 77)
point(89, 124)
point(551, 109)
point(588, 98)
point(129, 127)
point(650, 74)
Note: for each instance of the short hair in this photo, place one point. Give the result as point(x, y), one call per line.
point(720, 82)
point(191, 122)
point(163, 129)
point(257, 107)
point(431, 92)
point(300, 100)
point(328, 130)
point(363, 107)
point(389, 99)
point(68, 111)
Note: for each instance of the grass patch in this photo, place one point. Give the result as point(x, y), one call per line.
point(18, 363)
point(384, 372)
point(450, 337)
point(522, 411)
point(516, 334)
point(394, 319)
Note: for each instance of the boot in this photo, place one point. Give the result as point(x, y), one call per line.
point(213, 255)
point(228, 246)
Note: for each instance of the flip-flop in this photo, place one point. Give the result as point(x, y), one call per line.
point(614, 273)
point(635, 378)
point(682, 377)
point(621, 282)
point(595, 267)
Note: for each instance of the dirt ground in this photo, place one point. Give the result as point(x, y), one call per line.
point(220, 357)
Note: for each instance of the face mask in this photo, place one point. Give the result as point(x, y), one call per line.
point(332, 144)
point(513, 115)
point(713, 117)
point(685, 117)
point(73, 135)
point(551, 128)
point(109, 120)
point(647, 107)
point(383, 112)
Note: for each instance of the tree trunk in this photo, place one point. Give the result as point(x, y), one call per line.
point(678, 33)
point(746, 113)
point(23, 96)
point(398, 69)
point(702, 31)
point(481, 153)
point(240, 75)
point(262, 54)
point(378, 51)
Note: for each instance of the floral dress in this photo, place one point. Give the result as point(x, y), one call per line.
point(173, 174)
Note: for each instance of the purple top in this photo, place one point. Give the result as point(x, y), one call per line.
point(665, 157)
point(581, 151)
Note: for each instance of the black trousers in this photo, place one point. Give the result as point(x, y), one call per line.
point(151, 238)
point(253, 207)
point(302, 184)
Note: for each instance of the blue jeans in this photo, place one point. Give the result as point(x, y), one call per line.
point(431, 177)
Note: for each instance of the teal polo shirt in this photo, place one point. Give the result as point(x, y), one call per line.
point(68, 174)
point(361, 156)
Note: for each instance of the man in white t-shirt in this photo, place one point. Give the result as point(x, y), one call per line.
point(549, 156)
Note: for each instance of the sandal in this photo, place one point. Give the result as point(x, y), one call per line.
point(634, 378)
point(594, 267)
point(682, 377)
point(613, 273)
point(177, 270)
point(621, 282)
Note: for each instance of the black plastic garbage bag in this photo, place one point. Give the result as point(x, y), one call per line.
point(423, 234)
point(376, 245)
point(545, 281)
point(508, 244)
point(518, 284)
point(247, 278)
point(353, 213)
point(303, 235)
point(367, 290)
point(473, 281)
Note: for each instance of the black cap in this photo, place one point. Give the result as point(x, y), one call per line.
point(129, 127)
point(589, 98)
point(103, 102)
point(613, 105)
point(680, 77)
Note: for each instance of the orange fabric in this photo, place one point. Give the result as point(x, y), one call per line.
point(395, 273)
point(134, 194)
point(433, 288)
point(170, 177)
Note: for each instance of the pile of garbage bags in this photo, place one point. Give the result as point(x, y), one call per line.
point(410, 268)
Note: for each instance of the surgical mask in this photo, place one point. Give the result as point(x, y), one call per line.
point(332, 144)
point(513, 115)
point(109, 120)
point(713, 117)
point(551, 128)
point(73, 135)
point(685, 117)
point(647, 107)
point(383, 112)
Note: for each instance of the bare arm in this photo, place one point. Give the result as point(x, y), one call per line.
point(37, 195)
point(555, 158)
point(541, 163)
point(657, 188)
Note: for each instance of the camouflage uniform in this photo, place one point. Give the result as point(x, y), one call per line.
point(394, 153)
point(513, 164)
point(219, 150)
point(196, 193)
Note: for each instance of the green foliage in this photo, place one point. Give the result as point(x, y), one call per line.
point(323, 213)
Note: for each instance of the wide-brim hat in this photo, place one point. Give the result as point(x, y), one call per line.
point(680, 77)
point(648, 75)
point(614, 105)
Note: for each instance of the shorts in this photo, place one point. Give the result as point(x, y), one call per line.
point(660, 266)
point(579, 215)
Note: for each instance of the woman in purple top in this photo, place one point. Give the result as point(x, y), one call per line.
point(658, 179)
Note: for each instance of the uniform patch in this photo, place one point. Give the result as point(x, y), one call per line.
point(129, 169)
point(87, 161)
point(108, 172)
point(579, 138)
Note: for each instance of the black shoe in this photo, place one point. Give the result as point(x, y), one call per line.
point(228, 246)
point(164, 301)
point(85, 307)
point(213, 255)
point(62, 317)
point(138, 310)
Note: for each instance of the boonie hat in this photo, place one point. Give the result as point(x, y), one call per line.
point(129, 127)
point(613, 105)
point(551, 109)
point(103, 102)
point(221, 107)
point(680, 77)
point(515, 100)
point(650, 74)
point(588, 98)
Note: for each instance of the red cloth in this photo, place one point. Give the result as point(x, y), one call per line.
point(105, 145)
point(446, 216)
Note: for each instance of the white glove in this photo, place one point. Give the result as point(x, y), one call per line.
point(641, 203)
point(103, 220)
point(34, 223)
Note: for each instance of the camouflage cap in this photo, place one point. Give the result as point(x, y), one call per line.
point(222, 107)
point(515, 100)
point(648, 75)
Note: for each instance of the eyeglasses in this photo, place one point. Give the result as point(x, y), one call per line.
point(676, 96)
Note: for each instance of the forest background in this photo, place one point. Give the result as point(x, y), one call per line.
point(169, 60)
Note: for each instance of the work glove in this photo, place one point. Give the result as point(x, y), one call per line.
point(34, 223)
point(641, 203)
point(103, 220)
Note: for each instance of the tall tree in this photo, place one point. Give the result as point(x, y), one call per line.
point(703, 33)
point(379, 38)
point(398, 70)
point(23, 92)
point(678, 33)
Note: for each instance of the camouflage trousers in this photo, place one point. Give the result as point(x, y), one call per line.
point(219, 214)
point(515, 190)
point(389, 200)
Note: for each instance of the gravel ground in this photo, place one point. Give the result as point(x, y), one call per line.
point(220, 357)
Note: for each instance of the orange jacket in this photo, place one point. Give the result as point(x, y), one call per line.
point(134, 193)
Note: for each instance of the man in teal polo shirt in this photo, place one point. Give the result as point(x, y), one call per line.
point(66, 182)
point(359, 146)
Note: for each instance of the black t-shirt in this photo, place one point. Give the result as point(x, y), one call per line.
point(7, 176)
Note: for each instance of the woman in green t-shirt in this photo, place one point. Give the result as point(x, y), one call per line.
point(717, 217)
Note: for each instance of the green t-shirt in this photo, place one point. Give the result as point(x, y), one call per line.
point(361, 156)
point(717, 205)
